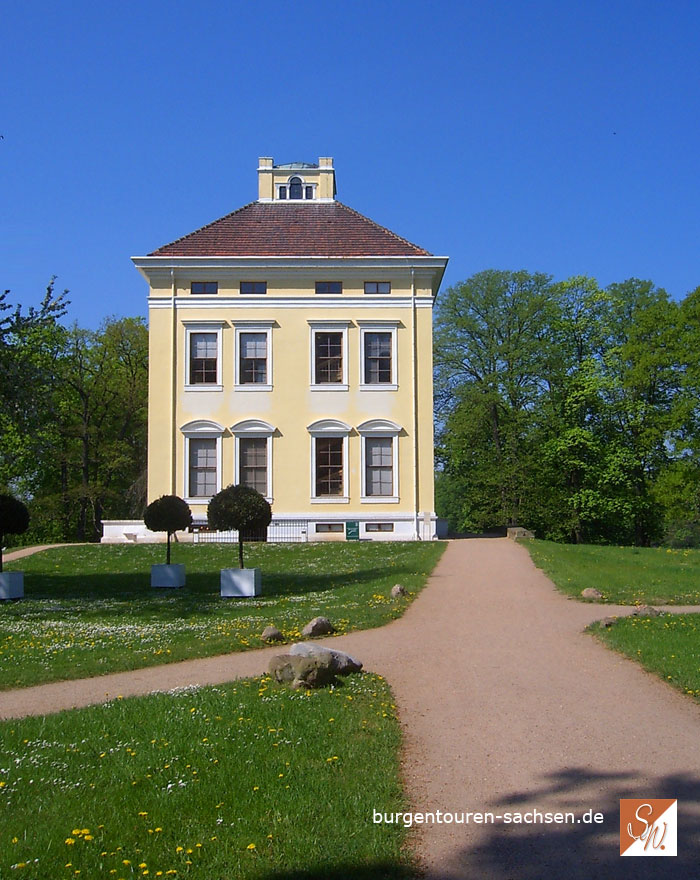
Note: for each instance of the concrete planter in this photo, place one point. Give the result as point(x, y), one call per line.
point(237, 582)
point(12, 585)
point(169, 576)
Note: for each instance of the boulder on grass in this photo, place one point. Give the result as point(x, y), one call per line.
point(341, 663)
point(319, 626)
point(398, 590)
point(646, 611)
point(271, 634)
point(302, 672)
point(591, 593)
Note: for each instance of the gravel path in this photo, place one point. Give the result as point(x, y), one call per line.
point(506, 705)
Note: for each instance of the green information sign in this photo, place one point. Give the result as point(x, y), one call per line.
point(352, 530)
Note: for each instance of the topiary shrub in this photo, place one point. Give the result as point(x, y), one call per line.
point(242, 509)
point(14, 519)
point(168, 514)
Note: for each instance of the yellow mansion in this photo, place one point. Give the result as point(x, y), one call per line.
point(291, 350)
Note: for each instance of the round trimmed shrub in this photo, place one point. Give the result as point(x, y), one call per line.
point(242, 509)
point(169, 514)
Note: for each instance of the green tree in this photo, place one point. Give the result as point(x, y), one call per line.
point(493, 352)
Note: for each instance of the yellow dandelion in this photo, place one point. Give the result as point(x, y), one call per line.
point(70, 841)
point(251, 846)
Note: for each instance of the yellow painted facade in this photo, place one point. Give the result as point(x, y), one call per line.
point(378, 411)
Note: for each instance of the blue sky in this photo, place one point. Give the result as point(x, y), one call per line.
point(555, 137)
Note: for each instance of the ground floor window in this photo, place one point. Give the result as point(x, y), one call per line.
point(253, 463)
point(202, 469)
point(329, 466)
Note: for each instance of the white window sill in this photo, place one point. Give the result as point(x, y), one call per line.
point(330, 386)
point(204, 387)
point(252, 386)
point(380, 386)
point(379, 499)
point(200, 499)
point(331, 499)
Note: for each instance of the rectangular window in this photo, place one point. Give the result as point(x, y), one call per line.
point(377, 358)
point(379, 466)
point(329, 466)
point(203, 358)
point(377, 286)
point(329, 527)
point(328, 358)
point(253, 358)
point(253, 287)
point(253, 463)
point(309, 192)
point(202, 467)
point(282, 192)
point(379, 527)
point(204, 287)
point(329, 287)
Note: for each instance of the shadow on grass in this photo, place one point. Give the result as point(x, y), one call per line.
point(346, 871)
point(201, 586)
point(582, 851)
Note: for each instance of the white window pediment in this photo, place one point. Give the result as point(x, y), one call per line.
point(379, 426)
point(202, 426)
point(252, 426)
point(328, 426)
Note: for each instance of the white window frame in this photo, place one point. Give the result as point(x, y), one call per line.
point(204, 327)
point(320, 429)
point(252, 327)
point(253, 428)
point(379, 327)
point(328, 327)
point(380, 428)
point(201, 430)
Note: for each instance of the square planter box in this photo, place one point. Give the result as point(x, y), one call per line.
point(12, 585)
point(237, 582)
point(172, 576)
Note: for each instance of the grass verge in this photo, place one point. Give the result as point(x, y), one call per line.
point(624, 575)
point(90, 609)
point(668, 646)
point(249, 780)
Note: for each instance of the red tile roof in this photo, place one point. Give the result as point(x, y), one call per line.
point(288, 230)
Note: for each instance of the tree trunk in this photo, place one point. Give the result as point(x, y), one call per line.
point(240, 550)
point(168, 551)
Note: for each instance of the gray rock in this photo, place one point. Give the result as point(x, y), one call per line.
point(271, 634)
point(398, 590)
point(591, 593)
point(341, 663)
point(646, 611)
point(607, 622)
point(319, 626)
point(302, 672)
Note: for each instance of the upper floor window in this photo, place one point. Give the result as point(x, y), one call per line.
point(328, 357)
point(253, 358)
point(377, 358)
point(203, 358)
point(377, 286)
point(329, 287)
point(204, 287)
point(254, 287)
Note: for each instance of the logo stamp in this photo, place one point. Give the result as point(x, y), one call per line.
point(648, 826)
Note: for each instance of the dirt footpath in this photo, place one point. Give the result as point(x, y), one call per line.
point(507, 707)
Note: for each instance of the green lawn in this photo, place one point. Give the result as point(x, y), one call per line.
point(624, 575)
point(248, 780)
point(90, 609)
point(668, 646)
